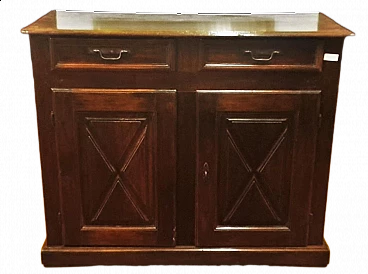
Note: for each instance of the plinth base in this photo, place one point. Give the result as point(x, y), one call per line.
point(55, 256)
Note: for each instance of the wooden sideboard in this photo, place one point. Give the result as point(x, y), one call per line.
point(185, 139)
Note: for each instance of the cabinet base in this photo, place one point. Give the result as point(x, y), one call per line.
point(54, 256)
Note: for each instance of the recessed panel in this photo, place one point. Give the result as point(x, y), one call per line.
point(254, 170)
point(117, 180)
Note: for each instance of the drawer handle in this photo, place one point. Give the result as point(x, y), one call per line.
point(260, 58)
point(111, 58)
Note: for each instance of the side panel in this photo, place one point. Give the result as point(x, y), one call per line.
point(46, 134)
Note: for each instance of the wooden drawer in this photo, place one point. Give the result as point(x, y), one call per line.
point(112, 54)
point(261, 54)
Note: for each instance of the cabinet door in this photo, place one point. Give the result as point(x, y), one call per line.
point(117, 166)
point(255, 163)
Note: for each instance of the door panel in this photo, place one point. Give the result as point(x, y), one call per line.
point(117, 166)
point(258, 148)
point(254, 169)
point(116, 174)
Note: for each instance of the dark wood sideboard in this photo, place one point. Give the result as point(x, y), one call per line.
point(185, 139)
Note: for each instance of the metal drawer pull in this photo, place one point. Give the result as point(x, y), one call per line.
point(262, 59)
point(111, 58)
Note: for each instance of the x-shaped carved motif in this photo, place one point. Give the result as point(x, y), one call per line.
point(118, 176)
point(255, 176)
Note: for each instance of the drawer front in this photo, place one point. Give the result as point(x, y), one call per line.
point(261, 54)
point(112, 54)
